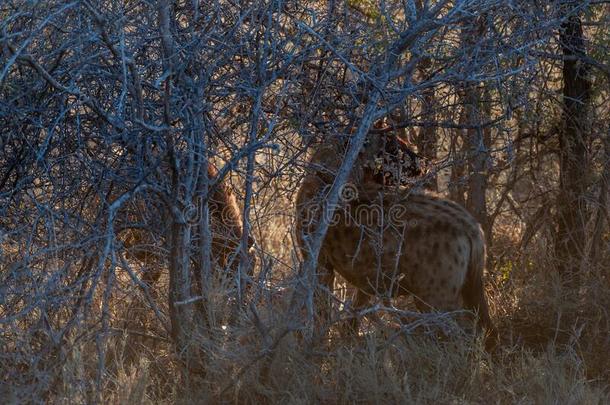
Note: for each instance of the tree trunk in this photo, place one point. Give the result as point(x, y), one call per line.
point(179, 283)
point(456, 177)
point(574, 157)
point(477, 144)
point(477, 138)
point(427, 137)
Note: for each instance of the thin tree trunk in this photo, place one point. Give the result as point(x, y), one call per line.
point(179, 237)
point(427, 137)
point(456, 150)
point(179, 282)
point(477, 140)
point(574, 157)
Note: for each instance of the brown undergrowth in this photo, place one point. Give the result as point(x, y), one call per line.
point(554, 345)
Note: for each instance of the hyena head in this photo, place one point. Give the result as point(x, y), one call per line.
point(385, 160)
point(388, 160)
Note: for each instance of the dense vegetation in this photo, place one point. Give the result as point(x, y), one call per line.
point(150, 157)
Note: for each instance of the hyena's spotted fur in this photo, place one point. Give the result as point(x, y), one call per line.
point(395, 241)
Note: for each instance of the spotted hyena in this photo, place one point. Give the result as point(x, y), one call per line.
point(226, 230)
point(394, 241)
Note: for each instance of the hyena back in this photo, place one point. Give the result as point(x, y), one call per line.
point(410, 243)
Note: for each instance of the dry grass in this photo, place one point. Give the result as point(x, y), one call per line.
point(543, 358)
point(554, 349)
